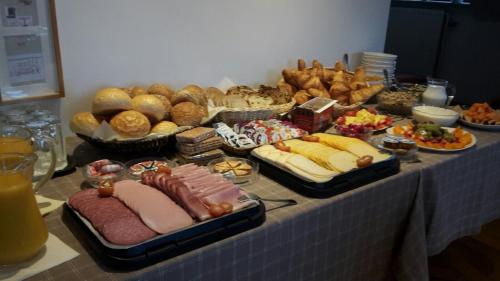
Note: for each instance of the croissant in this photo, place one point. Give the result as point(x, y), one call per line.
point(339, 66)
point(364, 94)
point(301, 97)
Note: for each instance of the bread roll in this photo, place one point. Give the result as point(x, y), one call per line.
point(161, 89)
point(164, 127)
point(131, 124)
point(187, 114)
point(109, 101)
point(193, 88)
point(166, 104)
point(149, 105)
point(84, 123)
point(191, 94)
point(215, 95)
point(137, 91)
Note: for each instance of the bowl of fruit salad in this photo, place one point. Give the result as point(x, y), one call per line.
point(368, 118)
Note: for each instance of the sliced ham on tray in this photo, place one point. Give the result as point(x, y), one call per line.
point(155, 209)
point(195, 189)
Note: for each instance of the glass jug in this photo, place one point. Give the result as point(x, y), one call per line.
point(436, 92)
point(22, 229)
point(17, 139)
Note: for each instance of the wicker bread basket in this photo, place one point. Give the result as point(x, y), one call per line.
point(143, 147)
point(231, 116)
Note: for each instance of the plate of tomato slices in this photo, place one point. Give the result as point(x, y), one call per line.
point(433, 137)
point(367, 118)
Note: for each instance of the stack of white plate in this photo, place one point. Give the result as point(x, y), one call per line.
point(375, 63)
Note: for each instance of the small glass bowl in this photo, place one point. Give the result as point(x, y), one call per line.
point(138, 166)
point(230, 175)
point(94, 181)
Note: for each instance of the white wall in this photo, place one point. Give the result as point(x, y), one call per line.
point(125, 42)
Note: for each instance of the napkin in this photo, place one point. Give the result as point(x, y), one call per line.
point(225, 84)
point(47, 205)
point(54, 253)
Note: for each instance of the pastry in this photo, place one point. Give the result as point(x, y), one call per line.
point(149, 105)
point(278, 95)
point(164, 127)
point(84, 123)
point(109, 101)
point(187, 114)
point(131, 124)
point(160, 89)
point(235, 101)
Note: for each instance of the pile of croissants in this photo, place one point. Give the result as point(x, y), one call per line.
point(336, 83)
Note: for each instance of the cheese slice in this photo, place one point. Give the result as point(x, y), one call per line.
point(352, 145)
point(309, 166)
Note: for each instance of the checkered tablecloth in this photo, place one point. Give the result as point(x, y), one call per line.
point(377, 232)
point(461, 191)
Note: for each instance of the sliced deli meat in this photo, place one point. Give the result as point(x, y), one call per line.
point(156, 210)
point(196, 190)
point(111, 218)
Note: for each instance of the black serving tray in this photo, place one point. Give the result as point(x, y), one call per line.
point(339, 184)
point(169, 245)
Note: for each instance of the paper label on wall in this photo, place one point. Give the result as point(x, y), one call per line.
point(26, 69)
point(25, 62)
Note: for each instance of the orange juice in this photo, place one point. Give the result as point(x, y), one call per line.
point(22, 229)
point(15, 144)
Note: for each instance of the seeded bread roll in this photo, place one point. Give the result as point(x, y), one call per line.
point(149, 105)
point(161, 89)
point(131, 124)
point(187, 114)
point(84, 123)
point(109, 101)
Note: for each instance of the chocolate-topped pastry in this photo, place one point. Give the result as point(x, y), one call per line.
point(390, 142)
point(395, 142)
point(407, 144)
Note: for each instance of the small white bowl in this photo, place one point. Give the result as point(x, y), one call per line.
point(438, 115)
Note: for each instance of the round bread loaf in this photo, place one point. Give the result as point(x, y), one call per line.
point(193, 88)
point(131, 124)
point(109, 101)
point(186, 94)
point(215, 95)
point(161, 89)
point(137, 91)
point(166, 104)
point(149, 105)
point(164, 127)
point(187, 114)
point(84, 123)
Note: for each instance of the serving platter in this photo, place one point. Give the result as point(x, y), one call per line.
point(479, 126)
point(390, 131)
point(168, 245)
point(338, 184)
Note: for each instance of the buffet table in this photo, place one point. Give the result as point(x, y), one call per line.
point(380, 231)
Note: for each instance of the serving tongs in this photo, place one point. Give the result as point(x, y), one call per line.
point(286, 202)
